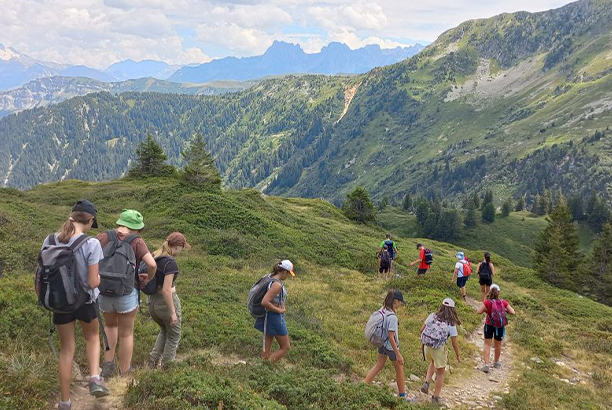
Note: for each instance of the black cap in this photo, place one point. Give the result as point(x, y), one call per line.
point(398, 295)
point(419, 245)
point(83, 205)
point(487, 255)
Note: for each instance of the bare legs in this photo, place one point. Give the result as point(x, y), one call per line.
point(120, 326)
point(487, 350)
point(439, 378)
point(380, 364)
point(484, 290)
point(284, 347)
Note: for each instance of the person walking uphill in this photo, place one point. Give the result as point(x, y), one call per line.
point(389, 326)
point(164, 304)
point(119, 287)
point(462, 273)
point(73, 299)
point(436, 330)
point(485, 270)
point(391, 247)
point(495, 325)
point(272, 322)
point(424, 261)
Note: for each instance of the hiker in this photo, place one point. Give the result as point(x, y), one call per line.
point(462, 272)
point(436, 330)
point(495, 325)
point(87, 254)
point(390, 345)
point(485, 270)
point(120, 299)
point(272, 323)
point(164, 304)
point(425, 259)
point(392, 248)
point(384, 262)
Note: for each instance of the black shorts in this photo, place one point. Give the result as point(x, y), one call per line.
point(86, 313)
point(485, 280)
point(498, 332)
point(421, 271)
point(389, 353)
point(462, 281)
point(381, 269)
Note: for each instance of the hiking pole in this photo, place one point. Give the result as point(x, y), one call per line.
point(102, 331)
point(51, 330)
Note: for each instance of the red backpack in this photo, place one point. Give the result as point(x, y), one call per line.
point(467, 268)
point(498, 314)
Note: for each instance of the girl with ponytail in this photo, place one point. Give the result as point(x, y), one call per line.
point(164, 304)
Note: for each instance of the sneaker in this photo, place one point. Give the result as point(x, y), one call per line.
point(485, 368)
point(425, 387)
point(97, 387)
point(411, 400)
point(497, 365)
point(437, 400)
point(64, 406)
point(108, 370)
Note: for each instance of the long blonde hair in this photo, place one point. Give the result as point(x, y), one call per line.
point(164, 250)
point(68, 228)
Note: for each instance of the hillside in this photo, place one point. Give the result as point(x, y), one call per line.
point(557, 362)
point(516, 103)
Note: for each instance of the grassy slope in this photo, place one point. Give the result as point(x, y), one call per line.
point(237, 236)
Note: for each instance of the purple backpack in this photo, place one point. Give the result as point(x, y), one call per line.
point(498, 314)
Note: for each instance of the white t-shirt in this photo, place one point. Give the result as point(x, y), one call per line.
point(391, 325)
point(459, 265)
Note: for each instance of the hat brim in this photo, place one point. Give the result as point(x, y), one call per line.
point(186, 246)
point(95, 223)
point(292, 273)
point(135, 227)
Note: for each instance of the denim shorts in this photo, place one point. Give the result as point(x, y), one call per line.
point(119, 304)
point(275, 325)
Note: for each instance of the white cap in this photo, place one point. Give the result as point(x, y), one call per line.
point(287, 265)
point(448, 302)
point(494, 286)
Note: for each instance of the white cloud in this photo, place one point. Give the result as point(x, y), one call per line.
point(99, 32)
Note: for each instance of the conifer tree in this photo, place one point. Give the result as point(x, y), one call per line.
point(476, 200)
point(547, 201)
point(383, 203)
point(506, 207)
point(151, 160)
point(358, 206)
point(488, 212)
point(520, 204)
point(597, 275)
point(470, 220)
point(407, 203)
point(200, 168)
point(488, 198)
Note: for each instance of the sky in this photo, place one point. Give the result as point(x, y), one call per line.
point(98, 33)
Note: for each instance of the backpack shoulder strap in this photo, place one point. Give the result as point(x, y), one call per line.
point(112, 235)
point(79, 242)
point(131, 238)
point(51, 240)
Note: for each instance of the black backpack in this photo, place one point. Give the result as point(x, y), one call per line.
point(390, 244)
point(151, 287)
point(118, 268)
point(385, 259)
point(57, 282)
point(428, 256)
point(484, 271)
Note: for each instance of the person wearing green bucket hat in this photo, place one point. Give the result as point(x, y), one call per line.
point(119, 299)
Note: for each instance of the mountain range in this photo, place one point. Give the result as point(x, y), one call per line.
point(517, 103)
point(17, 69)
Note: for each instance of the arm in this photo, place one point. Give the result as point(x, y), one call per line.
point(455, 274)
point(455, 347)
point(400, 358)
point(266, 302)
point(150, 261)
point(166, 292)
point(93, 277)
point(492, 269)
point(481, 309)
point(510, 309)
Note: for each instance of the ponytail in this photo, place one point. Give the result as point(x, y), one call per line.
point(68, 228)
point(493, 294)
point(488, 258)
point(164, 250)
point(388, 303)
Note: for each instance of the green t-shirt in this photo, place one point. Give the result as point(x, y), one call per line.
point(382, 245)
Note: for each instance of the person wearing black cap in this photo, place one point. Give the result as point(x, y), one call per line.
point(87, 256)
point(390, 348)
point(485, 270)
point(423, 266)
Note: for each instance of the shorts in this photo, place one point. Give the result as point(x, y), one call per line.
point(390, 353)
point(275, 325)
point(421, 271)
point(119, 304)
point(485, 280)
point(392, 255)
point(438, 356)
point(497, 332)
point(383, 269)
point(86, 313)
point(462, 281)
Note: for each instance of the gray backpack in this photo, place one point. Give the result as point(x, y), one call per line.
point(256, 294)
point(375, 329)
point(435, 333)
point(118, 268)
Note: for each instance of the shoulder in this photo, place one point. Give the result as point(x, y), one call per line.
point(459, 264)
point(430, 317)
point(93, 243)
point(487, 303)
point(169, 265)
point(505, 302)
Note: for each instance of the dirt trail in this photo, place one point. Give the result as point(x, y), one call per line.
point(480, 390)
point(82, 400)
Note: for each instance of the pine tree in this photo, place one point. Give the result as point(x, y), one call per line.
point(520, 204)
point(407, 203)
point(383, 203)
point(597, 275)
point(506, 207)
point(547, 200)
point(575, 204)
point(200, 168)
point(488, 198)
point(448, 225)
point(539, 205)
point(358, 206)
point(488, 212)
point(470, 220)
point(151, 160)
point(476, 200)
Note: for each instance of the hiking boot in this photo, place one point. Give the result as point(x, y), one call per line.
point(485, 368)
point(108, 370)
point(437, 400)
point(97, 387)
point(411, 400)
point(64, 406)
point(497, 365)
point(425, 387)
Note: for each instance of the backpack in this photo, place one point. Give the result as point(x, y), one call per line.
point(256, 294)
point(57, 282)
point(118, 268)
point(467, 267)
point(498, 314)
point(385, 259)
point(375, 331)
point(390, 245)
point(484, 271)
point(435, 333)
point(428, 257)
point(151, 286)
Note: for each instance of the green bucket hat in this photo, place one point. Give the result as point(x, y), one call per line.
point(131, 219)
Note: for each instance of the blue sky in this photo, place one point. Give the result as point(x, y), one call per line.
point(100, 32)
